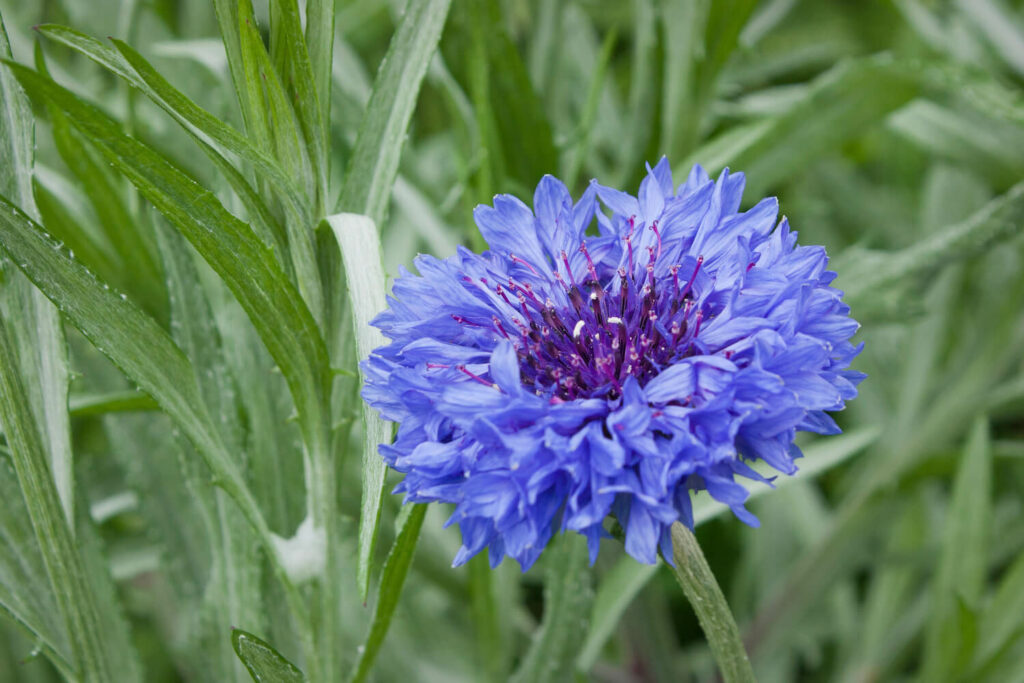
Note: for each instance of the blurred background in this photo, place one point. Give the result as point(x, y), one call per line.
point(891, 131)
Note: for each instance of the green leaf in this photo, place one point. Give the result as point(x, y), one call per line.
point(265, 664)
point(1002, 28)
point(134, 342)
point(84, 405)
point(970, 139)
point(320, 44)
point(515, 134)
point(218, 140)
point(38, 330)
point(586, 126)
point(247, 266)
point(866, 274)
point(615, 593)
point(248, 90)
point(391, 581)
point(567, 601)
point(960, 575)
point(491, 650)
point(17, 133)
point(75, 599)
point(25, 592)
point(360, 250)
point(838, 105)
point(374, 163)
point(276, 112)
point(1001, 620)
point(64, 220)
point(306, 100)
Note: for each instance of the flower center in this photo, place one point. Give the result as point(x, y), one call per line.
point(627, 323)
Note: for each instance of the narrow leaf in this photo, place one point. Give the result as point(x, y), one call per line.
point(25, 592)
point(247, 266)
point(617, 590)
point(131, 339)
point(306, 99)
point(360, 250)
point(866, 273)
point(320, 44)
point(391, 581)
point(374, 163)
point(265, 664)
point(960, 575)
point(1003, 617)
point(75, 599)
point(40, 334)
point(838, 105)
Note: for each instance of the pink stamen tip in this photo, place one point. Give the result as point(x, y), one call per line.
point(654, 227)
point(520, 261)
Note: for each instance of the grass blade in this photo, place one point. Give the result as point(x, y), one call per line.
point(306, 100)
point(360, 249)
point(867, 273)
point(963, 561)
point(25, 592)
point(391, 581)
point(838, 105)
point(374, 163)
point(320, 44)
point(1001, 619)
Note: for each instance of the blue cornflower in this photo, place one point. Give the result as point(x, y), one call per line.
point(569, 374)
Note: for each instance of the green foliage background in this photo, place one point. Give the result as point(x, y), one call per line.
point(182, 177)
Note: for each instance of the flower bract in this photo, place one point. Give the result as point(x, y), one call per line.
point(609, 357)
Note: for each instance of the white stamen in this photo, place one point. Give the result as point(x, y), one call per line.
point(576, 330)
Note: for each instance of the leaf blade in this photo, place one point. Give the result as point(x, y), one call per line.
point(361, 252)
point(374, 164)
point(264, 663)
point(392, 579)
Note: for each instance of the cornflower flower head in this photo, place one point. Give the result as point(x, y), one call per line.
point(572, 373)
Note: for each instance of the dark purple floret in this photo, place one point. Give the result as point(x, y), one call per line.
point(568, 375)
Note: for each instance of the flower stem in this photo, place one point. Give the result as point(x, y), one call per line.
point(701, 589)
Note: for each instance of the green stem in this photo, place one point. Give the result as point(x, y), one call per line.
point(701, 589)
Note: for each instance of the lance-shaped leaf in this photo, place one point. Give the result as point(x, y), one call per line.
point(374, 164)
point(360, 249)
